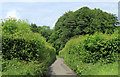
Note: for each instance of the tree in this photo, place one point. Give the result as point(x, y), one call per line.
point(34, 27)
point(81, 22)
point(45, 31)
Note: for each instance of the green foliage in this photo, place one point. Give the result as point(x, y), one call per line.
point(81, 22)
point(82, 52)
point(45, 31)
point(0, 38)
point(22, 48)
point(98, 69)
point(16, 67)
point(100, 47)
point(21, 44)
point(118, 29)
point(34, 27)
point(12, 26)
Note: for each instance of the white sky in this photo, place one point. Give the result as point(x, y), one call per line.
point(59, 0)
point(12, 13)
point(44, 12)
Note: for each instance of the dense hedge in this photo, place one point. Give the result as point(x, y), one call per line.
point(24, 48)
point(90, 49)
point(21, 44)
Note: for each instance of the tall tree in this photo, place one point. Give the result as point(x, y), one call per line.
point(81, 22)
point(45, 31)
point(34, 27)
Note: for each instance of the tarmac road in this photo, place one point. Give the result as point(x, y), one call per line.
point(59, 69)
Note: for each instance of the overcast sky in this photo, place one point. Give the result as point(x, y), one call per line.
point(47, 13)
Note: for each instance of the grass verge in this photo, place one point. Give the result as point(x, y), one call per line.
point(102, 69)
point(15, 67)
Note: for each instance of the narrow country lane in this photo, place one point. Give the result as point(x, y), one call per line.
point(59, 69)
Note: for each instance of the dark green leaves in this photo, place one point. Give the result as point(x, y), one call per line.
point(81, 22)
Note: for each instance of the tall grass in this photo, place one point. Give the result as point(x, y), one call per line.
point(16, 67)
point(102, 69)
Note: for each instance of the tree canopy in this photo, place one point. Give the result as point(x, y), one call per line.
point(81, 22)
point(45, 31)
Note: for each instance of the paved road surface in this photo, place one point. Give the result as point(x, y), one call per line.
point(58, 68)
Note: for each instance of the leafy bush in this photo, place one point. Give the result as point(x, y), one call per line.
point(101, 47)
point(22, 48)
point(21, 44)
point(81, 52)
